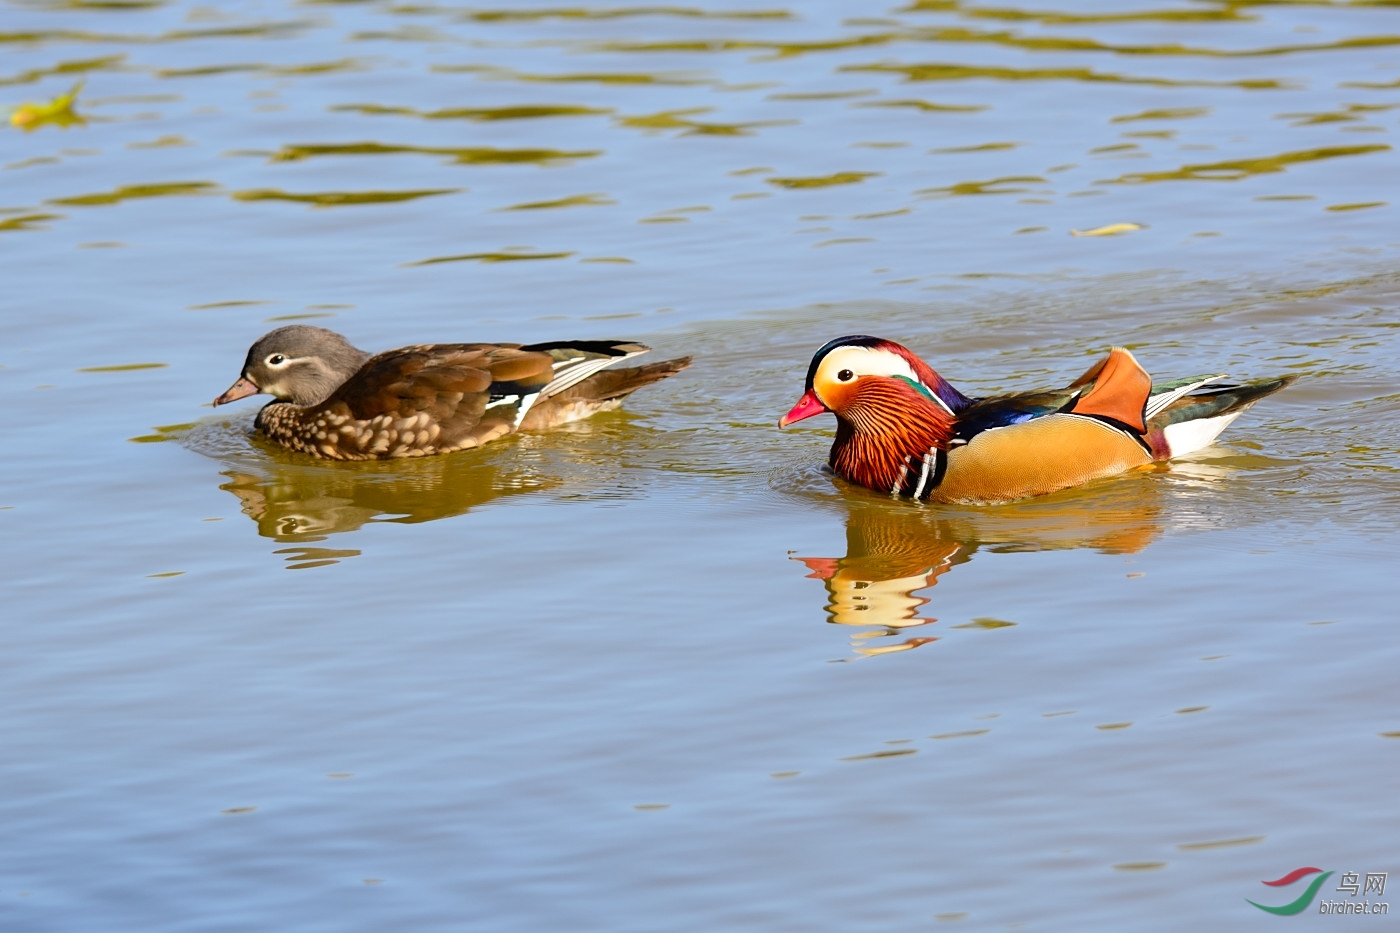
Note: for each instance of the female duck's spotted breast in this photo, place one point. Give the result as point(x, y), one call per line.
point(333, 433)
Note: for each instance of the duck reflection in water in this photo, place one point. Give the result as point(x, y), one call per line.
point(300, 500)
point(894, 549)
point(296, 502)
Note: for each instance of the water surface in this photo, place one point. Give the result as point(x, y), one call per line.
point(657, 671)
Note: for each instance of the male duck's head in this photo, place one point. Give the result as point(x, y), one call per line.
point(862, 380)
point(298, 364)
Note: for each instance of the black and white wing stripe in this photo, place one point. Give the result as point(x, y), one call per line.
point(918, 479)
point(571, 365)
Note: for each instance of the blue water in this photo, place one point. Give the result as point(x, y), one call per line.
point(606, 678)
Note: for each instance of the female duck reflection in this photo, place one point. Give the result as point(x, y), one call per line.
point(894, 549)
point(303, 502)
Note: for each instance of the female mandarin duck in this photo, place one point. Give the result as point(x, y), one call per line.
point(335, 401)
point(902, 428)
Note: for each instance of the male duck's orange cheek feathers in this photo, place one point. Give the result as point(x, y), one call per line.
point(806, 407)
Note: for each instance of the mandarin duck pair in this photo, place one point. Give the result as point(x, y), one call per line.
point(901, 427)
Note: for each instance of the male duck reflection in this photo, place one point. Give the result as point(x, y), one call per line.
point(903, 429)
point(335, 401)
point(893, 552)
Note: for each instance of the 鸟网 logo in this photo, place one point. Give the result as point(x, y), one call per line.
point(1304, 900)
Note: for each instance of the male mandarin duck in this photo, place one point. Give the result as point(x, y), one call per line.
point(902, 428)
point(335, 401)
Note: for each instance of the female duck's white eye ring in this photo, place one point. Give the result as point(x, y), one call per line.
point(276, 359)
point(845, 375)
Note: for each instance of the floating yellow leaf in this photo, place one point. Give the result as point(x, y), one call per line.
point(59, 111)
point(1110, 230)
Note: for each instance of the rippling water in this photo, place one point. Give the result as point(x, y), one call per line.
point(656, 671)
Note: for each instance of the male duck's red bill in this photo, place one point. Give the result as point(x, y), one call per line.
point(903, 429)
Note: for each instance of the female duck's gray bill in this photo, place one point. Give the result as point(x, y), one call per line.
point(240, 389)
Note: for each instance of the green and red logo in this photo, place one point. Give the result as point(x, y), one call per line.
point(1304, 900)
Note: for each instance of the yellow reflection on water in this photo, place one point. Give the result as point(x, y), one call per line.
point(567, 13)
point(1169, 113)
point(339, 198)
point(492, 72)
point(130, 192)
point(1236, 169)
point(1051, 17)
point(578, 200)
point(310, 68)
point(991, 186)
point(949, 72)
point(27, 222)
point(503, 256)
point(680, 120)
point(823, 181)
point(462, 155)
point(517, 112)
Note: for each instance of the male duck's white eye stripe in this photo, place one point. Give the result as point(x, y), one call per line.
point(864, 361)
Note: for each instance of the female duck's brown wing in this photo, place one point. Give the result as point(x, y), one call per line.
point(430, 399)
point(443, 397)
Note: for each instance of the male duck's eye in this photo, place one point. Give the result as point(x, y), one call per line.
point(845, 375)
point(276, 359)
